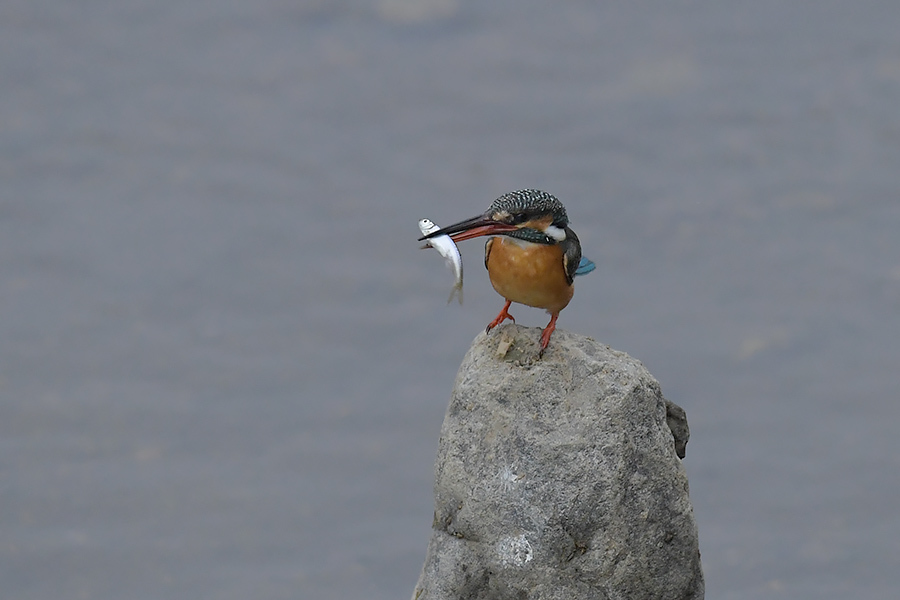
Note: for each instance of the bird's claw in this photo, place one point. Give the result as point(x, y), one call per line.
point(545, 341)
point(545, 335)
point(504, 314)
point(497, 321)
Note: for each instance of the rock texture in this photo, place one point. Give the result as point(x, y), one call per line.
point(559, 478)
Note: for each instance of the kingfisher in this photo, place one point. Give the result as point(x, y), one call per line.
point(532, 256)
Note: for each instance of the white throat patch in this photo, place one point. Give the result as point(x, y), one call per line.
point(555, 232)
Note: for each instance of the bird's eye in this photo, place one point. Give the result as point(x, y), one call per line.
point(519, 218)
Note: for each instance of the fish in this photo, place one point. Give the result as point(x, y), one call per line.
point(447, 248)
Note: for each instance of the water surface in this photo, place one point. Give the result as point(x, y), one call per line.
point(224, 363)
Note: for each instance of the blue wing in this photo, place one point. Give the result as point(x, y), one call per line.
point(584, 267)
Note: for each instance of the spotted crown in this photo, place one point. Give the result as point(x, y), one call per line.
point(531, 202)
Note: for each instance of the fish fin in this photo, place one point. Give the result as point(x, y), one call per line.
point(585, 266)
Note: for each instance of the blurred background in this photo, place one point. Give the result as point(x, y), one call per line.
point(224, 361)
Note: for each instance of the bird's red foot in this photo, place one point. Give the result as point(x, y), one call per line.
point(548, 331)
point(504, 314)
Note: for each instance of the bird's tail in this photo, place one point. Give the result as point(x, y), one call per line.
point(585, 267)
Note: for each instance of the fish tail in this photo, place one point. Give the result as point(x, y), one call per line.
point(456, 291)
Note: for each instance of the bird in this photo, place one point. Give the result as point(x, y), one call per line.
point(532, 255)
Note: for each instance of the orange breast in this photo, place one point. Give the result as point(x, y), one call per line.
point(531, 274)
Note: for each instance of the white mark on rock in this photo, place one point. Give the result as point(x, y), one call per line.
point(514, 550)
point(508, 478)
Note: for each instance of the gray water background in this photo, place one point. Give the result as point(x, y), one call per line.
point(224, 362)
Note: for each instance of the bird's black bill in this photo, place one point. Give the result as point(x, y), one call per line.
point(470, 228)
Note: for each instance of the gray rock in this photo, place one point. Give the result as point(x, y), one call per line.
point(559, 478)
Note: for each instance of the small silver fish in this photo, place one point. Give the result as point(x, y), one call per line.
point(449, 251)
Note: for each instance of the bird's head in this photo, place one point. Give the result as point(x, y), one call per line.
point(528, 215)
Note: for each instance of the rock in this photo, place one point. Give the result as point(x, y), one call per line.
point(560, 478)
